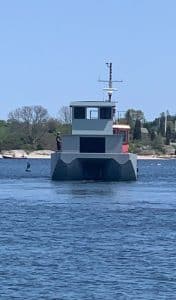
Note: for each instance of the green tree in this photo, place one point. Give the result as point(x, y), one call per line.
point(137, 130)
point(168, 135)
point(162, 124)
point(29, 123)
point(157, 143)
point(152, 135)
point(53, 125)
point(3, 133)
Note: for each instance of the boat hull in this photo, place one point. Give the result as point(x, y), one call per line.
point(90, 166)
point(13, 157)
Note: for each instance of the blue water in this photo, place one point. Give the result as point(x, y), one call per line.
point(87, 240)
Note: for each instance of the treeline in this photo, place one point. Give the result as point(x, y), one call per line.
point(155, 134)
point(32, 128)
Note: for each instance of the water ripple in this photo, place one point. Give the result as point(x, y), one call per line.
point(87, 240)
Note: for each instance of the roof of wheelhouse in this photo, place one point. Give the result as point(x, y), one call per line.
point(93, 103)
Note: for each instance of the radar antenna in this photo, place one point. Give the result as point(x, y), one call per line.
point(110, 89)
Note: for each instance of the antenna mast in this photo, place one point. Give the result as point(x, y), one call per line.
point(110, 89)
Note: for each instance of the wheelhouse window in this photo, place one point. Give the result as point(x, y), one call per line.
point(92, 113)
point(105, 112)
point(79, 112)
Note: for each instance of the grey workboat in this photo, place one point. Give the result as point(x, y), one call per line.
point(93, 151)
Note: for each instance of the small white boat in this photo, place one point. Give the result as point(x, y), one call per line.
point(13, 157)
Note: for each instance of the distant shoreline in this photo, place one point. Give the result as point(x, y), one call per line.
point(164, 156)
point(21, 154)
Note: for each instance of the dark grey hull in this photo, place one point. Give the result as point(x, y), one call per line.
point(93, 166)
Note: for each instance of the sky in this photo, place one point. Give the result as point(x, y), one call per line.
point(53, 52)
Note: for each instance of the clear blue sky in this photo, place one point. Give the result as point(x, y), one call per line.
point(52, 52)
